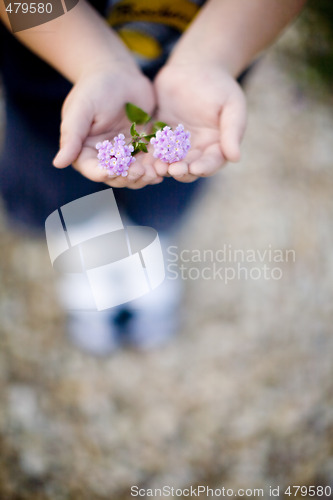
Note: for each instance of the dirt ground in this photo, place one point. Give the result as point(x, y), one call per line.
point(242, 397)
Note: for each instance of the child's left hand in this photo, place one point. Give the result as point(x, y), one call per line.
point(208, 101)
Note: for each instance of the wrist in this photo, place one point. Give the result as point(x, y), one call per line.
point(123, 67)
point(118, 83)
point(190, 69)
point(205, 58)
point(110, 56)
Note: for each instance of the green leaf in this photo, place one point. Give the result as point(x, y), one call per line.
point(135, 114)
point(133, 130)
point(158, 126)
point(143, 147)
point(148, 137)
point(136, 148)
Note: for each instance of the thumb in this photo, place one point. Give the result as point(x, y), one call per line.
point(232, 126)
point(75, 127)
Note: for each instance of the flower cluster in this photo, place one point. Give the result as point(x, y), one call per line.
point(171, 146)
point(116, 157)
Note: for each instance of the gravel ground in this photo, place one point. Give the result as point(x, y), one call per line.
point(242, 398)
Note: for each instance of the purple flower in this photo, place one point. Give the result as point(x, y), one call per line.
point(115, 157)
point(171, 146)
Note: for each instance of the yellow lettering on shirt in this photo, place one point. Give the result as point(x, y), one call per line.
point(174, 13)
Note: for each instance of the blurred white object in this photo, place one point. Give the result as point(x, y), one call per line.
point(156, 316)
point(93, 332)
point(105, 263)
point(145, 323)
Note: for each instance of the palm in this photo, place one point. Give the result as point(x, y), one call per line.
point(210, 104)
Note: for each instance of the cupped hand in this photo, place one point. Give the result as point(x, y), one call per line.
point(208, 101)
point(93, 111)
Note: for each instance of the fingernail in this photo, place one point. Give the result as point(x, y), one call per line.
point(55, 159)
point(58, 160)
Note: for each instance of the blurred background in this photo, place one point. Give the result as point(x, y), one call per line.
point(243, 397)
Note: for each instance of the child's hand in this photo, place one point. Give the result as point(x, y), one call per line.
point(94, 111)
point(211, 105)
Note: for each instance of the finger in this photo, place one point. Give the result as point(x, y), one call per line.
point(182, 175)
point(232, 126)
point(179, 169)
point(138, 170)
point(149, 177)
point(209, 162)
point(161, 167)
point(75, 127)
point(120, 181)
point(135, 172)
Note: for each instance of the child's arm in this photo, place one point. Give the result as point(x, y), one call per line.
point(74, 43)
point(197, 86)
point(88, 53)
point(234, 32)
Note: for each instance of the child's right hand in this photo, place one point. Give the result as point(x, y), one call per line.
point(93, 111)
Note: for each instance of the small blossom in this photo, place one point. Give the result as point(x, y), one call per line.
point(171, 146)
point(115, 157)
